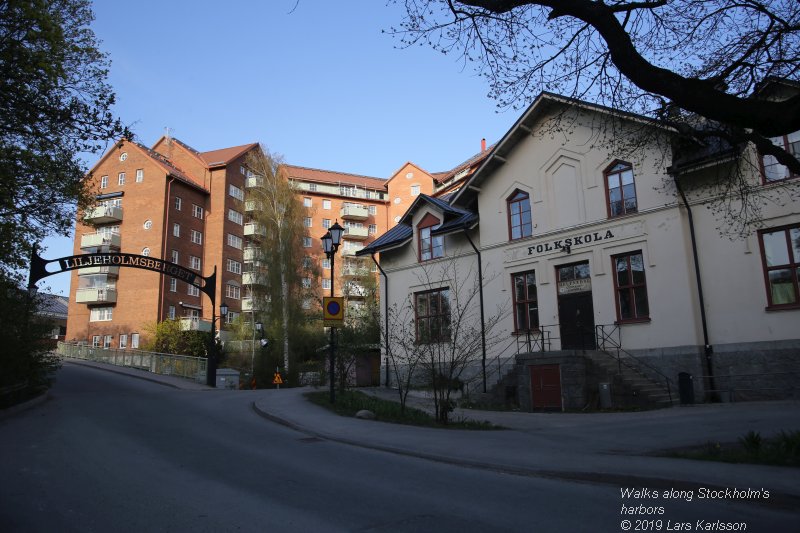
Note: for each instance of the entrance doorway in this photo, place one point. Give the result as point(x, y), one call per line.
point(575, 309)
point(546, 388)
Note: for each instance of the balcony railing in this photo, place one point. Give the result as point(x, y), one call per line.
point(252, 253)
point(254, 181)
point(195, 324)
point(351, 250)
point(97, 240)
point(253, 205)
point(354, 212)
point(356, 234)
point(247, 304)
point(253, 278)
point(96, 296)
point(112, 271)
point(103, 214)
point(252, 229)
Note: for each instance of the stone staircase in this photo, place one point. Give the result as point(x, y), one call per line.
point(630, 386)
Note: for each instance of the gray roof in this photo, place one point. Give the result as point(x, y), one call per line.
point(394, 237)
point(53, 305)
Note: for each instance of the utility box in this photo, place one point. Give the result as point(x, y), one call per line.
point(686, 388)
point(605, 396)
point(227, 378)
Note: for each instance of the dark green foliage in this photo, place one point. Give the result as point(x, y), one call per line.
point(56, 104)
point(167, 337)
point(781, 450)
point(26, 362)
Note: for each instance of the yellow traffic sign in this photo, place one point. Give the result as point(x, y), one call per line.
point(277, 379)
point(332, 310)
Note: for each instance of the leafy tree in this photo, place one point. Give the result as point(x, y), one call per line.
point(695, 65)
point(282, 291)
point(56, 104)
point(168, 337)
point(361, 330)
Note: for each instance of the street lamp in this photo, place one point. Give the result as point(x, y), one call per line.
point(211, 371)
point(330, 243)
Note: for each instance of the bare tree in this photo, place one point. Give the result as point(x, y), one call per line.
point(698, 66)
point(279, 212)
point(446, 338)
point(404, 355)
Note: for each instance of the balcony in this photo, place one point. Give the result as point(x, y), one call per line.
point(350, 251)
point(355, 290)
point(251, 230)
point(254, 181)
point(111, 271)
point(96, 296)
point(251, 253)
point(103, 215)
point(253, 278)
point(247, 305)
point(354, 212)
point(195, 324)
point(97, 240)
point(253, 205)
point(356, 234)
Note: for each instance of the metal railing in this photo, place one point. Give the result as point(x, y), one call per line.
point(535, 340)
point(183, 366)
point(609, 342)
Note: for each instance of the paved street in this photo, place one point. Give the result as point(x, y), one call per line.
point(110, 453)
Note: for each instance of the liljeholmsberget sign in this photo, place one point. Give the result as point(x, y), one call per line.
point(129, 260)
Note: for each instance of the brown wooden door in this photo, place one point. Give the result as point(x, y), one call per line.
point(546, 387)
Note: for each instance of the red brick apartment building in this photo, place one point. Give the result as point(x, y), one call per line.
point(178, 204)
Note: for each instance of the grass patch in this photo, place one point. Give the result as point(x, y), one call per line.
point(350, 402)
point(781, 450)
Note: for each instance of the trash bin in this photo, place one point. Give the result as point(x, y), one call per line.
point(605, 396)
point(686, 388)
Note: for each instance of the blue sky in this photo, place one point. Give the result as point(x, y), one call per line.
point(319, 84)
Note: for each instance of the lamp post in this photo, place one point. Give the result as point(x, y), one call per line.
point(330, 243)
point(211, 371)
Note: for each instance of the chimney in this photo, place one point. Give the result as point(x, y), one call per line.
point(483, 145)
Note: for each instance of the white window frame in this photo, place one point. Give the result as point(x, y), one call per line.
point(178, 203)
point(235, 241)
point(171, 312)
point(197, 237)
point(197, 211)
point(234, 266)
point(235, 216)
point(326, 204)
point(306, 242)
point(134, 341)
point(176, 230)
point(104, 182)
point(175, 256)
point(192, 290)
point(123, 341)
point(232, 291)
point(307, 202)
point(195, 263)
point(139, 175)
point(173, 284)
point(121, 178)
point(235, 192)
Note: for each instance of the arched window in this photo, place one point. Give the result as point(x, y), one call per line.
point(519, 215)
point(620, 189)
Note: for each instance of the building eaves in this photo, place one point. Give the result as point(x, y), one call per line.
point(53, 305)
point(330, 176)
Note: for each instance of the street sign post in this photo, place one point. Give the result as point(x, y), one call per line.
point(332, 311)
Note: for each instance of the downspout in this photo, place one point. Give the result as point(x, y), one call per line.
point(164, 251)
point(480, 295)
point(386, 313)
point(708, 348)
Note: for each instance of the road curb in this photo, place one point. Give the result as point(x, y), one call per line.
point(777, 500)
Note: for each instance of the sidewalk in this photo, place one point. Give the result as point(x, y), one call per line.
point(615, 448)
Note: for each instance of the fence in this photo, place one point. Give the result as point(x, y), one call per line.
point(183, 366)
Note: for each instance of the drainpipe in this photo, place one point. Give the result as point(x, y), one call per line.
point(386, 312)
point(480, 295)
point(708, 348)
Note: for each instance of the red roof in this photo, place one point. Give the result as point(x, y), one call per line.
point(329, 176)
point(223, 156)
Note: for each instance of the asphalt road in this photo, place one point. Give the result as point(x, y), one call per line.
point(110, 453)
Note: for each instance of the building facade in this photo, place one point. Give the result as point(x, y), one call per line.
point(592, 250)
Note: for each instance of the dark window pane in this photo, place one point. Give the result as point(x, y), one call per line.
point(794, 236)
point(582, 271)
point(625, 308)
point(637, 267)
point(782, 287)
point(531, 286)
point(519, 288)
point(533, 316)
point(775, 248)
point(622, 272)
point(642, 309)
